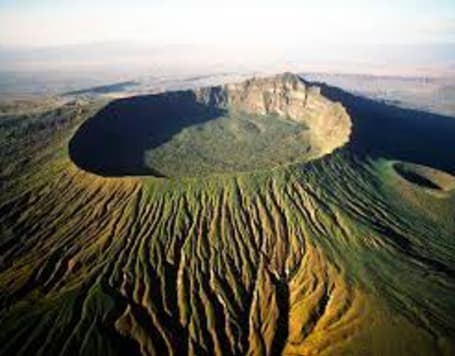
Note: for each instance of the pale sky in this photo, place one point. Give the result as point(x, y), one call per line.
point(44, 23)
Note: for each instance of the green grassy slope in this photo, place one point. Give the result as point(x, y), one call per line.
point(342, 255)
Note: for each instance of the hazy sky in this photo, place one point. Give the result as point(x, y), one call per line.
point(41, 23)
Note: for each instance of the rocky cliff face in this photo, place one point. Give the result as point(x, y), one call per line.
point(289, 96)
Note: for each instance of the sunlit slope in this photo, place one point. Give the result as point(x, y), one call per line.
point(342, 255)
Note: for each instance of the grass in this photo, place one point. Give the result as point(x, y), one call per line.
point(237, 142)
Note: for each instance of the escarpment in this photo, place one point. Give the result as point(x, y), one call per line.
point(286, 95)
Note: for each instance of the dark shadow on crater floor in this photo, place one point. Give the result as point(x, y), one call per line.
point(383, 130)
point(415, 178)
point(113, 142)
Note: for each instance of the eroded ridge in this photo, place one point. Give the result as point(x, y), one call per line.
point(227, 268)
point(228, 274)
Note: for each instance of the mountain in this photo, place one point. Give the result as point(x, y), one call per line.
point(271, 216)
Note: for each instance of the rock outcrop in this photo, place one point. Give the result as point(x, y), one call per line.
point(288, 96)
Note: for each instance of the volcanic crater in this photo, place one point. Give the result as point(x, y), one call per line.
point(257, 124)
